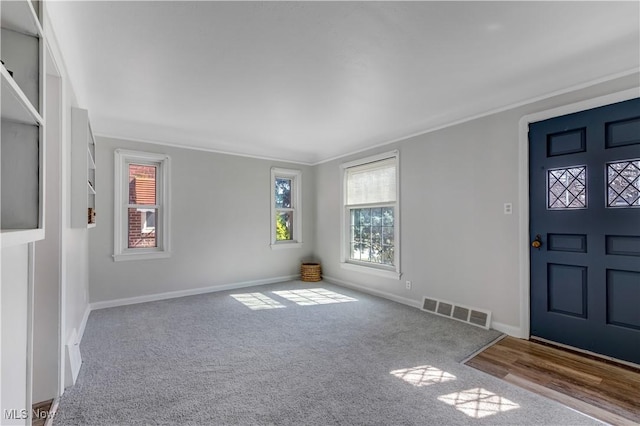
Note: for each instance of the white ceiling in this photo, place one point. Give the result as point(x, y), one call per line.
point(309, 81)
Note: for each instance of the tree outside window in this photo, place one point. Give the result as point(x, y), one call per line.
point(286, 209)
point(371, 213)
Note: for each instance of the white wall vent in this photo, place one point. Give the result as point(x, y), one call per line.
point(473, 316)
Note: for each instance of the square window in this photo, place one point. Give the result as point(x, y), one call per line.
point(141, 230)
point(567, 188)
point(283, 193)
point(284, 226)
point(623, 184)
point(142, 184)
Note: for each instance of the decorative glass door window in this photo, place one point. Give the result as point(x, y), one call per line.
point(567, 188)
point(623, 184)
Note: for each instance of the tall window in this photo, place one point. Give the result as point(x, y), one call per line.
point(141, 213)
point(371, 216)
point(286, 209)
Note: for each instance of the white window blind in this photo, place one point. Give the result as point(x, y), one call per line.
point(372, 183)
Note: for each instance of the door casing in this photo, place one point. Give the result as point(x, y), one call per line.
point(523, 190)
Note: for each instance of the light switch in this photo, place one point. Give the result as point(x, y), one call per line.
point(508, 208)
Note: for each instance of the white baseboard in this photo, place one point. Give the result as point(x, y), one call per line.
point(508, 329)
point(383, 294)
point(190, 292)
point(83, 323)
point(503, 328)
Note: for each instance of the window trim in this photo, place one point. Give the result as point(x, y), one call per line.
point(394, 271)
point(296, 203)
point(121, 251)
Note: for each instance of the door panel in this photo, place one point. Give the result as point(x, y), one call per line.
point(584, 175)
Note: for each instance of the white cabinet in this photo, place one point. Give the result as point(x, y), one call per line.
point(22, 144)
point(83, 171)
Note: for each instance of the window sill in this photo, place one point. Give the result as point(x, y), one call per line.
point(278, 246)
point(141, 256)
point(385, 273)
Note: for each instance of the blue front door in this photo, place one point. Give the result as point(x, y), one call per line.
point(584, 186)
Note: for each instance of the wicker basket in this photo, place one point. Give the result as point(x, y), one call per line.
point(310, 272)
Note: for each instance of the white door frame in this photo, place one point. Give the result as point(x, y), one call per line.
point(54, 61)
point(523, 188)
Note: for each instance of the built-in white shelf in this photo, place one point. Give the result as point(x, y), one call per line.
point(16, 237)
point(15, 105)
point(83, 169)
point(22, 144)
point(20, 16)
point(90, 160)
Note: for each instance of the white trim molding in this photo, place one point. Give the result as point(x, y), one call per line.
point(83, 323)
point(523, 189)
point(121, 251)
point(17, 237)
point(485, 113)
point(191, 292)
point(503, 328)
point(511, 330)
point(383, 294)
point(371, 270)
point(197, 146)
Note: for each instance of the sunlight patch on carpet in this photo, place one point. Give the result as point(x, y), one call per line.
point(314, 296)
point(423, 375)
point(257, 301)
point(478, 402)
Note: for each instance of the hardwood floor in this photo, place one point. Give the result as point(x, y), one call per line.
point(607, 391)
point(41, 412)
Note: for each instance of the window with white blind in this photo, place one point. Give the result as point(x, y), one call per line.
point(371, 216)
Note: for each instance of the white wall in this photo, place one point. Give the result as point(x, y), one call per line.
point(15, 278)
point(76, 282)
point(74, 253)
point(75, 241)
point(220, 225)
point(456, 243)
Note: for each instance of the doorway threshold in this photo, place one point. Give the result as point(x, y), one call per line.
point(598, 388)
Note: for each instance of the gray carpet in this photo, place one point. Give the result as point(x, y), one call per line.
point(331, 357)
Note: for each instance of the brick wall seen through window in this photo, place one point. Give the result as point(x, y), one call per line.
point(142, 217)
